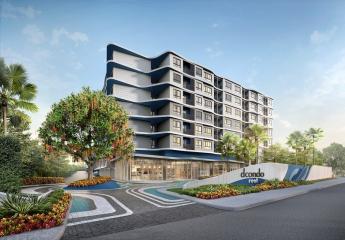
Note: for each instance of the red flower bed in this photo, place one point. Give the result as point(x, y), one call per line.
point(87, 182)
point(43, 180)
point(24, 223)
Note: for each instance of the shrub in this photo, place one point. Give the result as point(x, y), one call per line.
point(43, 180)
point(10, 164)
point(91, 182)
point(27, 222)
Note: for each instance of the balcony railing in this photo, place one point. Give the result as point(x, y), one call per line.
point(188, 146)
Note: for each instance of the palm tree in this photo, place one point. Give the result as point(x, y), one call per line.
point(15, 91)
point(295, 141)
point(314, 134)
point(227, 145)
point(245, 151)
point(256, 134)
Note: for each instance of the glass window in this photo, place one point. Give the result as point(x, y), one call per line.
point(252, 116)
point(238, 125)
point(228, 85)
point(208, 90)
point(227, 97)
point(208, 76)
point(207, 144)
point(177, 62)
point(237, 112)
point(228, 109)
point(208, 117)
point(177, 109)
point(198, 72)
point(228, 122)
point(177, 93)
point(198, 129)
point(177, 78)
point(177, 124)
point(238, 100)
point(237, 88)
point(198, 115)
point(199, 100)
point(208, 131)
point(198, 86)
point(177, 140)
point(198, 143)
point(208, 103)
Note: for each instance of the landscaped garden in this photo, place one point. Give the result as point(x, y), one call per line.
point(227, 190)
point(19, 213)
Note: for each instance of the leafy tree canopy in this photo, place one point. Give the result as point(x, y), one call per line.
point(88, 125)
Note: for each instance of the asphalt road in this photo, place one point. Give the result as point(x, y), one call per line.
point(318, 215)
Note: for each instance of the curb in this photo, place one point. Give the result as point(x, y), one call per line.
point(255, 204)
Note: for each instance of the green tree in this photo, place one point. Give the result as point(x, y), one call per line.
point(228, 144)
point(245, 151)
point(256, 134)
point(15, 91)
point(90, 126)
point(296, 141)
point(334, 156)
point(276, 153)
point(314, 135)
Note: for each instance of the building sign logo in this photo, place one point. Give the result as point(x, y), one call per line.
point(257, 174)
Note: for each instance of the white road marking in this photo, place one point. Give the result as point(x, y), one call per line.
point(127, 213)
point(142, 190)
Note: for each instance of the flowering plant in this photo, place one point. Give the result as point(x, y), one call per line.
point(43, 180)
point(90, 182)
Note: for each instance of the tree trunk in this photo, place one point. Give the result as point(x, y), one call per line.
point(4, 117)
point(90, 171)
point(257, 153)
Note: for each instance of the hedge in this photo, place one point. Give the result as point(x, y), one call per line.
point(10, 164)
point(43, 180)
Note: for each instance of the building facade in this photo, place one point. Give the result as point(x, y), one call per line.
point(179, 110)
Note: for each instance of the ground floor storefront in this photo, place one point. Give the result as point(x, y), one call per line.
point(142, 169)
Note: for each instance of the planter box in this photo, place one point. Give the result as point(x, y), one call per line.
point(54, 233)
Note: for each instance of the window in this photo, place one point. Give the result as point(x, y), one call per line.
point(177, 78)
point(198, 115)
point(207, 144)
point(252, 116)
point(208, 76)
point(228, 97)
point(208, 103)
point(208, 90)
point(228, 85)
point(208, 117)
point(260, 97)
point(177, 93)
point(237, 88)
point(252, 106)
point(237, 112)
point(238, 125)
point(270, 112)
point(198, 72)
point(228, 109)
point(198, 86)
point(198, 129)
point(208, 131)
point(198, 143)
point(228, 122)
point(238, 101)
point(177, 62)
point(177, 109)
point(270, 122)
point(269, 102)
point(253, 95)
point(177, 124)
point(177, 140)
point(198, 100)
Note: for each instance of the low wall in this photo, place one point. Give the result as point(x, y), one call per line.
point(255, 174)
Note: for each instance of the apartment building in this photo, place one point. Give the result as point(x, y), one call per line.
point(179, 110)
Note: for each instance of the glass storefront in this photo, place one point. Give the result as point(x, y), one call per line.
point(152, 169)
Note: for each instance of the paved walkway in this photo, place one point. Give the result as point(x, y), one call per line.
point(242, 202)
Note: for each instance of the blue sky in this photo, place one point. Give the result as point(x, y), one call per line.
point(293, 51)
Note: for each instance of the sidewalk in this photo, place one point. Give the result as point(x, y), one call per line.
point(242, 202)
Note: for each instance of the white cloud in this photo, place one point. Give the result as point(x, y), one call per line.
point(215, 25)
point(76, 37)
point(318, 37)
point(34, 34)
point(10, 11)
point(214, 52)
point(283, 122)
